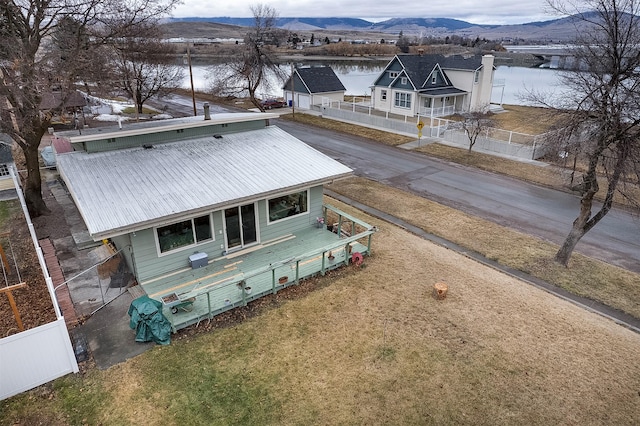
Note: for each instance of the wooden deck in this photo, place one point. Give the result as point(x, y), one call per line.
point(238, 278)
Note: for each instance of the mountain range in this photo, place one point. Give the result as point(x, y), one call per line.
point(556, 30)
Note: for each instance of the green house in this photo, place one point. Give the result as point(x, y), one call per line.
point(210, 212)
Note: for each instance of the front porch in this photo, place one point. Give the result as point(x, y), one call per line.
point(193, 295)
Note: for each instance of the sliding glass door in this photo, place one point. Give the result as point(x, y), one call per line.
point(240, 226)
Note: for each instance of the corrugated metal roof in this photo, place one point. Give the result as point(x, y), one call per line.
point(121, 191)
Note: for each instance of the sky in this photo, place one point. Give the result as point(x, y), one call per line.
point(498, 12)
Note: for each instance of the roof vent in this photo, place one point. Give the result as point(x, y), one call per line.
point(217, 136)
point(207, 114)
point(147, 146)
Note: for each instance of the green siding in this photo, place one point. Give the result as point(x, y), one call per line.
point(149, 265)
point(109, 143)
point(273, 230)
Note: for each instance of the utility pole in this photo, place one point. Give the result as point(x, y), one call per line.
point(293, 92)
point(193, 94)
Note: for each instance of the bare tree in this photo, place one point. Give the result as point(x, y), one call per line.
point(247, 74)
point(145, 67)
point(25, 68)
point(76, 56)
point(474, 123)
point(603, 106)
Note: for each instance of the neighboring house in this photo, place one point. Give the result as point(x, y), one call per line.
point(434, 85)
point(309, 86)
point(69, 104)
point(6, 162)
point(210, 213)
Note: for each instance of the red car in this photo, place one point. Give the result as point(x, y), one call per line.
point(273, 103)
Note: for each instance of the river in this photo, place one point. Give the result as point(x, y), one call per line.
point(358, 77)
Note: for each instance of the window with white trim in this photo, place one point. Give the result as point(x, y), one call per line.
point(383, 95)
point(434, 79)
point(403, 80)
point(4, 170)
point(186, 233)
point(393, 74)
point(402, 100)
point(288, 205)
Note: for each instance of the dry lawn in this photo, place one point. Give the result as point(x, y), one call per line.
point(352, 129)
point(526, 119)
point(587, 277)
point(373, 346)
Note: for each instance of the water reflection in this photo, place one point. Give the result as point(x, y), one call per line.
point(520, 81)
point(358, 76)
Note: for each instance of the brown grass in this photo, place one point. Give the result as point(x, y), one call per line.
point(372, 346)
point(380, 136)
point(611, 285)
point(549, 176)
point(526, 119)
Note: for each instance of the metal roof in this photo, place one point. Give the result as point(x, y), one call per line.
point(127, 128)
point(131, 189)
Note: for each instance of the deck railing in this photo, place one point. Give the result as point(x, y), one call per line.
point(246, 286)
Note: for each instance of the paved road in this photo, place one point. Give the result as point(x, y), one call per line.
point(531, 209)
point(528, 208)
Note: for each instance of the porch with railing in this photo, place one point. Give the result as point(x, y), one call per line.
point(442, 111)
point(364, 106)
point(194, 295)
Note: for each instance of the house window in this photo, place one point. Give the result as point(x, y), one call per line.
point(427, 102)
point(393, 74)
point(4, 170)
point(183, 234)
point(434, 79)
point(403, 100)
point(404, 80)
point(383, 95)
point(288, 205)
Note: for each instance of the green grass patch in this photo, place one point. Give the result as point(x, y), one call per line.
point(7, 208)
point(145, 110)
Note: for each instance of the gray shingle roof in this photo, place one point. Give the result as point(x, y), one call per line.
point(418, 67)
point(318, 80)
point(5, 149)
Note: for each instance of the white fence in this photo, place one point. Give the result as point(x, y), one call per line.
point(493, 141)
point(39, 355)
point(34, 357)
point(530, 151)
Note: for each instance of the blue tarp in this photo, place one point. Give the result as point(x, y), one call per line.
point(48, 157)
point(149, 322)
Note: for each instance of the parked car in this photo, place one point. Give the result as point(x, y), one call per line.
point(273, 103)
